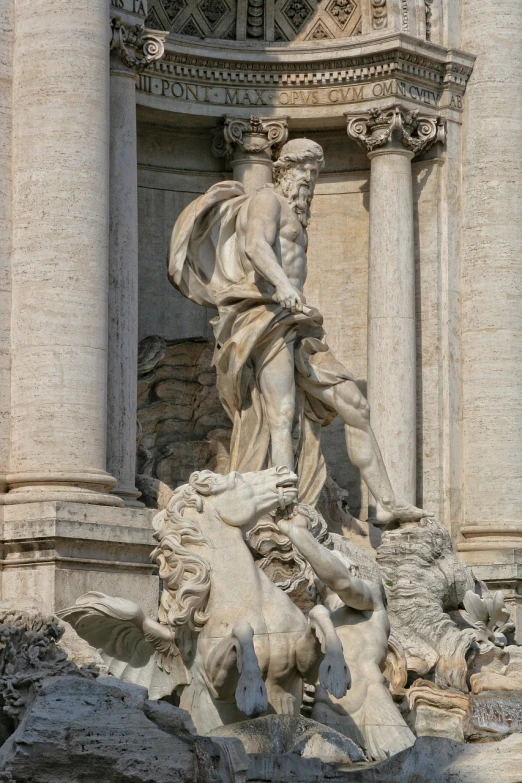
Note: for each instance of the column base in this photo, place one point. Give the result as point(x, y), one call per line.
point(53, 552)
point(494, 552)
point(129, 495)
point(94, 486)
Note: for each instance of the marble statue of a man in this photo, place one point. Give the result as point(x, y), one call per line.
point(367, 713)
point(276, 376)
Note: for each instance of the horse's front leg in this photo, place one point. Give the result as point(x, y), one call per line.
point(319, 654)
point(233, 663)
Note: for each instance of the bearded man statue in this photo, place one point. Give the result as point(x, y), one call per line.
point(276, 376)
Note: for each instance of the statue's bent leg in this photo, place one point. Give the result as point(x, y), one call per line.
point(277, 387)
point(364, 451)
point(321, 640)
point(233, 663)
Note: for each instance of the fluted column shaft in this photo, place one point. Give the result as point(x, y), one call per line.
point(60, 252)
point(392, 136)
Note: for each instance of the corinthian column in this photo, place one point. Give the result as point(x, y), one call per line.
point(132, 49)
point(392, 136)
point(60, 253)
point(250, 144)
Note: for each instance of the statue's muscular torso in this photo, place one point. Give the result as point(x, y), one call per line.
point(268, 216)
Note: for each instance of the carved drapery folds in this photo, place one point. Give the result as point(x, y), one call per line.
point(137, 45)
point(253, 136)
point(395, 126)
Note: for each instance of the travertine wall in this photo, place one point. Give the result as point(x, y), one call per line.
point(6, 54)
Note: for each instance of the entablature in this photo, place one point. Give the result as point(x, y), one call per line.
point(305, 81)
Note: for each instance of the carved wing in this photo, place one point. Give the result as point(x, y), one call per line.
point(115, 627)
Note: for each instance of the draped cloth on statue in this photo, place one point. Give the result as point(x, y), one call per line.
point(250, 329)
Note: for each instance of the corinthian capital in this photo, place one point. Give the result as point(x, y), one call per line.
point(394, 127)
point(255, 135)
point(137, 45)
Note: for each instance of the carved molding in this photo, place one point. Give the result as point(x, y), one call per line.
point(394, 127)
point(136, 45)
point(345, 70)
point(255, 135)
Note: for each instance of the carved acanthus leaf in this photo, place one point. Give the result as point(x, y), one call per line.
point(395, 125)
point(253, 135)
point(137, 46)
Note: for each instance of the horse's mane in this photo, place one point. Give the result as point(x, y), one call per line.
point(185, 575)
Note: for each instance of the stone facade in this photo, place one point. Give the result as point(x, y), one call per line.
point(102, 147)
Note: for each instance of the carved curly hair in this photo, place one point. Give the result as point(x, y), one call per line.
point(185, 575)
point(297, 151)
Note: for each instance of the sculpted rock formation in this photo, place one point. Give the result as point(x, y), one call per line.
point(181, 422)
point(424, 580)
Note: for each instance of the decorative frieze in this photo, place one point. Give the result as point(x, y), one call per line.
point(136, 45)
point(395, 126)
point(253, 136)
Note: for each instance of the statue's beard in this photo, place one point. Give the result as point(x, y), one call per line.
point(299, 196)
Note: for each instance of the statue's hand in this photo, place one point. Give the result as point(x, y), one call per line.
point(299, 519)
point(288, 296)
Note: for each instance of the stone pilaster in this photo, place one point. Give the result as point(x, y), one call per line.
point(251, 145)
point(392, 136)
point(133, 48)
point(6, 195)
point(492, 299)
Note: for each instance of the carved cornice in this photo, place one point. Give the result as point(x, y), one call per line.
point(254, 136)
point(137, 46)
point(394, 62)
point(394, 127)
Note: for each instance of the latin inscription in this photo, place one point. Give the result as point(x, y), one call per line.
point(322, 96)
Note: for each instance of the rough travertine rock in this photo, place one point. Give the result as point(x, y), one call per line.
point(437, 760)
point(30, 653)
point(79, 730)
point(278, 734)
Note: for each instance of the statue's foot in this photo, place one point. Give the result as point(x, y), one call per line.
point(400, 510)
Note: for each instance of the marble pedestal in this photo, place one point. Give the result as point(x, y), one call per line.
point(53, 552)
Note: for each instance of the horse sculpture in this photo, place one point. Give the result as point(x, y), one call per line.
point(228, 641)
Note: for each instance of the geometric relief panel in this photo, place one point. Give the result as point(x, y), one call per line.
point(291, 20)
point(316, 20)
point(198, 18)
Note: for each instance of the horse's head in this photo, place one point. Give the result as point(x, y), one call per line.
point(242, 498)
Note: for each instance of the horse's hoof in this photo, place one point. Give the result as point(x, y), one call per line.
point(334, 675)
point(251, 697)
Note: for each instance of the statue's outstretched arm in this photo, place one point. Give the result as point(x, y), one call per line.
point(354, 592)
point(262, 227)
